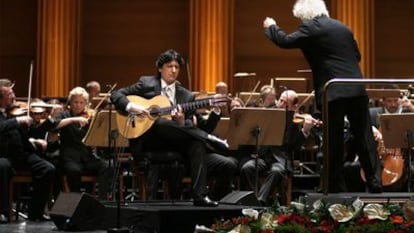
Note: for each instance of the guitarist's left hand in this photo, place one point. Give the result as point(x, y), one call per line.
point(178, 115)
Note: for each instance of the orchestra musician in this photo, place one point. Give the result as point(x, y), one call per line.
point(93, 88)
point(17, 152)
point(165, 134)
point(274, 162)
point(76, 157)
point(332, 52)
point(393, 164)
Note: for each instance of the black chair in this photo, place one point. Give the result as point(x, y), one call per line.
point(161, 168)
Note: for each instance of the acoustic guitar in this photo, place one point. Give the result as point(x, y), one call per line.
point(133, 125)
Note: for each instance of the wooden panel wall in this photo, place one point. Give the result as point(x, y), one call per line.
point(123, 38)
point(394, 38)
point(254, 52)
point(17, 41)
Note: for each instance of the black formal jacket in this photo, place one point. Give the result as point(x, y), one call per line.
point(14, 140)
point(331, 51)
point(293, 139)
point(149, 87)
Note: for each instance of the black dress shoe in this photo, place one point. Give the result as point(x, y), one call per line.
point(374, 186)
point(42, 218)
point(3, 219)
point(205, 201)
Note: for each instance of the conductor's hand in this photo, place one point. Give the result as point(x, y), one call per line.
point(178, 115)
point(268, 22)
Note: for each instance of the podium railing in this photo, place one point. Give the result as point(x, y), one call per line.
point(342, 81)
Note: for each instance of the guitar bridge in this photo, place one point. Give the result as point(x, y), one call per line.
point(131, 120)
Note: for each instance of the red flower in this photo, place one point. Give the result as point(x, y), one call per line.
point(283, 218)
point(396, 219)
point(363, 221)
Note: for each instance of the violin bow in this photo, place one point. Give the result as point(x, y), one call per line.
point(103, 99)
point(251, 93)
point(305, 100)
point(29, 94)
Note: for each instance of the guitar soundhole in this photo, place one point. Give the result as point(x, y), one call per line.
point(155, 112)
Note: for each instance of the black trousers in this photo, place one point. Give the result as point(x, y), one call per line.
point(6, 172)
point(356, 109)
point(221, 169)
point(90, 162)
point(166, 135)
point(43, 173)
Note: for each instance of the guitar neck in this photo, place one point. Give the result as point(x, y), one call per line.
point(201, 103)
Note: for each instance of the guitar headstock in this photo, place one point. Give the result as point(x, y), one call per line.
point(220, 100)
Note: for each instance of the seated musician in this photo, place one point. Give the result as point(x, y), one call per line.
point(178, 134)
point(273, 161)
point(76, 157)
point(93, 88)
point(393, 105)
point(390, 105)
point(18, 153)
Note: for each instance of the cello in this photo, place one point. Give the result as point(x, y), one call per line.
point(393, 163)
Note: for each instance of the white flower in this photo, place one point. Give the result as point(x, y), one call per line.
point(376, 211)
point(251, 213)
point(340, 212)
point(299, 206)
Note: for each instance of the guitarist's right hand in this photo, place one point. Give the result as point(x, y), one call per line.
point(137, 109)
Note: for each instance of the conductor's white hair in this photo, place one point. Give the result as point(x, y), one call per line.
point(309, 9)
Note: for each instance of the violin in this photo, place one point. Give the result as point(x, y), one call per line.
point(19, 108)
point(300, 119)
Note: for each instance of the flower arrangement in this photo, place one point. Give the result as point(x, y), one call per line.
point(323, 218)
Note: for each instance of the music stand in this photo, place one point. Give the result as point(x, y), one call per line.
point(103, 132)
point(397, 131)
point(100, 126)
point(222, 128)
point(258, 127)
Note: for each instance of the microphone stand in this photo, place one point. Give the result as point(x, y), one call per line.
point(112, 135)
point(256, 132)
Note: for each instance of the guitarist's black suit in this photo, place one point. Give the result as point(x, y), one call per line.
point(167, 134)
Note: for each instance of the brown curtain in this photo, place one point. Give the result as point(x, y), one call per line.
point(211, 47)
point(58, 47)
point(359, 16)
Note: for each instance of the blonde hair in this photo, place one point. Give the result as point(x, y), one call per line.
point(309, 9)
point(78, 91)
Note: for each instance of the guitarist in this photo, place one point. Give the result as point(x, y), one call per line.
point(179, 133)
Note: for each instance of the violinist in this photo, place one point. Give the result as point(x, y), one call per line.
point(18, 153)
point(274, 162)
point(76, 157)
point(267, 98)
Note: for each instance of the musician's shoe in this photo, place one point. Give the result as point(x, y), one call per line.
point(205, 201)
point(42, 218)
point(3, 219)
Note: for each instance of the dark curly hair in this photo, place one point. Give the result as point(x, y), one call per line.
point(168, 56)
